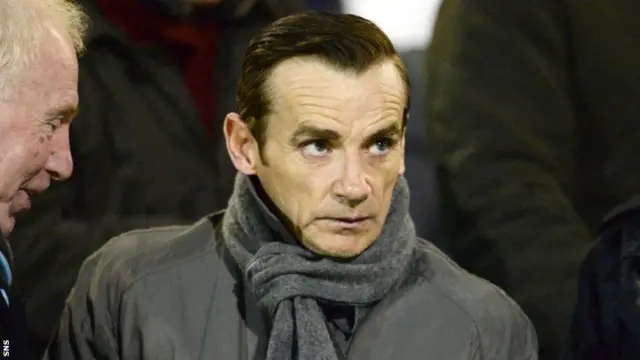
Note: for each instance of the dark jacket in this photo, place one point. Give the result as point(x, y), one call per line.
point(13, 323)
point(532, 113)
point(174, 293)
point(606, 320)
point(141, 157)
point(13, 328)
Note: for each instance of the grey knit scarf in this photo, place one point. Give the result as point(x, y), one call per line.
point(288, 279)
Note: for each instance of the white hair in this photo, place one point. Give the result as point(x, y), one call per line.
point(22, 26)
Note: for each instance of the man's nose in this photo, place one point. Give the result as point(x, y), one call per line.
point(60, 162)
point(352, 186)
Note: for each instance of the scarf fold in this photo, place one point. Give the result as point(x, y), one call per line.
point(289, 280)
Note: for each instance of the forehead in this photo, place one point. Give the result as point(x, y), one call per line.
point(309, 89)
point(52, 81)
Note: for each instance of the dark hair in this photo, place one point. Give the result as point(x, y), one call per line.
point(347, 42)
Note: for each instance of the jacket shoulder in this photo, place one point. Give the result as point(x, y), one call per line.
point(136, 276)
point(494, 317)
point(127, 258)
point(622, 213)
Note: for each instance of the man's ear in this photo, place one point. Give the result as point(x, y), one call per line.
point(241, 145)
point(401, 144)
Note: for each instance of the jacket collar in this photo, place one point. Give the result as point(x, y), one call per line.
point(271, 214)
point(624, 218)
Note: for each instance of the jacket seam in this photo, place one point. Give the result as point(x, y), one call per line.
point(206, 326)
point(164, 267)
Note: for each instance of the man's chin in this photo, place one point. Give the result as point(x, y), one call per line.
point(7, 223)
point(339, 246)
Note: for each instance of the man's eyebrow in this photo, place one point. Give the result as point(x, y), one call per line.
point(66, 112)
point(313, 132)
point(392, 130)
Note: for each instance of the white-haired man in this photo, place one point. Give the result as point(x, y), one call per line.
point(39, 40)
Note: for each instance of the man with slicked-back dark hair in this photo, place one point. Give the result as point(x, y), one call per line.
point(316, 256)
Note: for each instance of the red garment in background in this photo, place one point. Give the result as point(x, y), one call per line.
point(193, 47)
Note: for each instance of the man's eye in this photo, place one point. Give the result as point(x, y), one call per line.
point(315, 148)
point(382, 146)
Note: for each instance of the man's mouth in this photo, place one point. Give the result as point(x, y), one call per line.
point(348, 222)
point(350, 219)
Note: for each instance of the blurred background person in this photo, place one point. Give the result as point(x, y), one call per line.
point(606, 318)
point(155, 82)
point(334, 6)
point(533, 117)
